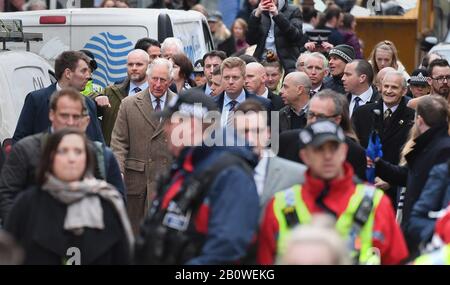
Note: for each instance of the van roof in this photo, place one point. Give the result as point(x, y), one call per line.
point(131, 16)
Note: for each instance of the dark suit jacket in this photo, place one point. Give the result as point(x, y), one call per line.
point(34, 115)
point(393, 137)
point(289, 148)
point(277, 102)
point(266, 103)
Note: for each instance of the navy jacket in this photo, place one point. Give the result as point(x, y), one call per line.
point(34, 116)
point(435, 196)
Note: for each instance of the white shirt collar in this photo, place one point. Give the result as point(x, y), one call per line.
point(265, 94)
point(58, 87)
point(240, 98)
point(365, 97)
point(143, 86)
point(207, 89)
point(392, 108)
point(317, 89)
point(162, 100)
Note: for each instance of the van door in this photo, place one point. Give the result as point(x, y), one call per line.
point(192, 35)
point(110, 46)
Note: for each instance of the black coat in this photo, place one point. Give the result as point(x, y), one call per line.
point(34, 119)
point(356, 155)
point(431, 148)
point(277, 102)
point(285, 118)
point(393, 137)
point(288, 33)
point(37, 222)
point(334, 83)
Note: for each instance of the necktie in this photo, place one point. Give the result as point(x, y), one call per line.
point(312, 93)
point(158, 104)
point(230, 117)
point(356, 106)
point(137, 89)
point(387, 117)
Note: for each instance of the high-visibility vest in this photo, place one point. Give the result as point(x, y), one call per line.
point(360, 242)
point(438, 257)
point(91, 88)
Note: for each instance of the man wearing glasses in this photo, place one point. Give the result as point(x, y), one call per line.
point(138, 140)
point(295, 95)
point(439, 70)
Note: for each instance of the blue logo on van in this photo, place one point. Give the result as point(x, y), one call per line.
point(110, 52)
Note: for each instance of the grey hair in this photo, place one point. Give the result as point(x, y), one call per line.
point(397, 73)
point(319, 56)
point(331, 95)
point(172, 42)
point(297, 63)
point(161, 61)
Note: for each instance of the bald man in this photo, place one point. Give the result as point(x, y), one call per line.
point(255, 82)
point(137, 63)
point(295, 94)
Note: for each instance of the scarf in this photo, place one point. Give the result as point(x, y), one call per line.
point(83, 204)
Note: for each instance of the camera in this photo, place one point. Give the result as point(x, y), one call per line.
point(318, 36)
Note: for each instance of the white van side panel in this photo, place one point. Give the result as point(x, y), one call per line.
point(110, 46)
point(19, 79)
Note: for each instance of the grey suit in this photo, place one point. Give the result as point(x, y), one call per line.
point(281, 174)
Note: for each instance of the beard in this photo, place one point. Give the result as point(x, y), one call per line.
point(137, 77)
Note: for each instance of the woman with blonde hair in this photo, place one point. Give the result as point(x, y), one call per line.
point(385, 54)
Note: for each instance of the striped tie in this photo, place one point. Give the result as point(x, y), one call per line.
point(230, 117)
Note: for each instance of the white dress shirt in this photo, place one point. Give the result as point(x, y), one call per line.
point(365, 97)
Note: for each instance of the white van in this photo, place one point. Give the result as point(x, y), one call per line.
point(111, 33)
point(21, 72)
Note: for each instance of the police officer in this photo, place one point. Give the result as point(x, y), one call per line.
point(365, 217)
point(207, 208)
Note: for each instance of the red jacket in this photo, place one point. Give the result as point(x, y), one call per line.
point(387, 236)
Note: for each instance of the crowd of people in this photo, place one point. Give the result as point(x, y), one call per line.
point(271, 149)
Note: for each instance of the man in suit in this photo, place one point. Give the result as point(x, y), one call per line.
point(316, 67)
point(357, 80)
point(233, 78)
point(138, 140)
point(295, 94)
point(255, 82)
point(109, 102)
point(393, 123)
point(211, 60)
point(71, 70)
point(272, 173)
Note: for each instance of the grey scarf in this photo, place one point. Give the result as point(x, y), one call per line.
point(83, 204)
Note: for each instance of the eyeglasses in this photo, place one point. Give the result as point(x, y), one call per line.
point(441, 79)
point(319, 116)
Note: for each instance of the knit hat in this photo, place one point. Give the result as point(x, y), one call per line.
point(419, 77)
point(345, 52)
